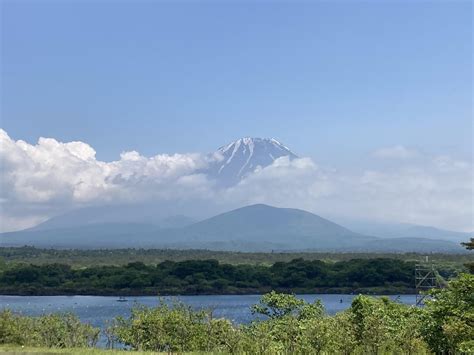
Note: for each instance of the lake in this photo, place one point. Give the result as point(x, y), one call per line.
point(96, 310)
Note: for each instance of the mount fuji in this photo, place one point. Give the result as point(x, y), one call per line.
point(241, 157)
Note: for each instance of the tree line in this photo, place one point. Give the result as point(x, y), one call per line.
point(78, 258)
point(381, 275)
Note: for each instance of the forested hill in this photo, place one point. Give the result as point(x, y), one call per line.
point(211, 277)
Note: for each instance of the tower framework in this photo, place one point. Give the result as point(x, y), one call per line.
point(425, 279)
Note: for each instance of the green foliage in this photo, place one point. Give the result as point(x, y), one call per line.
point(55, 330)
point(293, 326)
point(275, 305)
point(469, 246)
point(211, 277)
point(381, 325)
point(448, 321)
point(175, 328)
point(448, 264)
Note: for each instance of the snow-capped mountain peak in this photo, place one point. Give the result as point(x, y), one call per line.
point(244, 155)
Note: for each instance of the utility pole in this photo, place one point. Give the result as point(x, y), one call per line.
point(425, 279)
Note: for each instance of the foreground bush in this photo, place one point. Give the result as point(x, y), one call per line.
point(175, 328)
point(448, 319)
point(291, 325)
point(380, 326)
point(55, 330)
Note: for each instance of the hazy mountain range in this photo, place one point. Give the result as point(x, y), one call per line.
point(399, 230)
point(251, 228)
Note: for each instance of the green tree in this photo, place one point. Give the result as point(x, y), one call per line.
point(294, 326)
point(469, 246)
point(276, 305)
point(381, 325)
point(448, 321)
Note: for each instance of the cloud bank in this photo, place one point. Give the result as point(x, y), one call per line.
point(45, 179)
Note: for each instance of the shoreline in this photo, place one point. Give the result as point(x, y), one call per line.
point(332, 291)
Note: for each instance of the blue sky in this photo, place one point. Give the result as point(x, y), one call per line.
point(377, 94)
point(332, 80)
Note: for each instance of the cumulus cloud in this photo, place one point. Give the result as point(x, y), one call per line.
point(47, 178)
point(38, 179)
point(54, 171)
point(287, 183)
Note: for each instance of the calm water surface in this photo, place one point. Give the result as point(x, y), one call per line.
point(96, 310)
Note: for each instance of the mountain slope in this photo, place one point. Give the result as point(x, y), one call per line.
point(257, 227)
point(285, 226)
point(94, 236)
point(134, 214)
point(251, 228)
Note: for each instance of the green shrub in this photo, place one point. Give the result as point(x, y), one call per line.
point(448, 320)
point(381, 325)
point(370, 326)
point(175, 328)
point(56, 330)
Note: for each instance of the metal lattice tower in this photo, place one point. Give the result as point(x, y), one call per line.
point(425, 279)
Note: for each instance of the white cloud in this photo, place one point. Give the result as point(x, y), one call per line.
point(425, 193)
point(50, 177)
point(287, 183)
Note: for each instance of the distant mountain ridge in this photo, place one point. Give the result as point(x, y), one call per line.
point(251, 228)
point(134, 214)
point(404, 230)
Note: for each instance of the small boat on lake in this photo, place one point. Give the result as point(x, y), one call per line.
point(122, 299)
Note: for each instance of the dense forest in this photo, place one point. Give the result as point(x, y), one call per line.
point(211, 277)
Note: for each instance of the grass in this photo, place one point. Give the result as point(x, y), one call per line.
point(16, 349)
point(25, 350)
